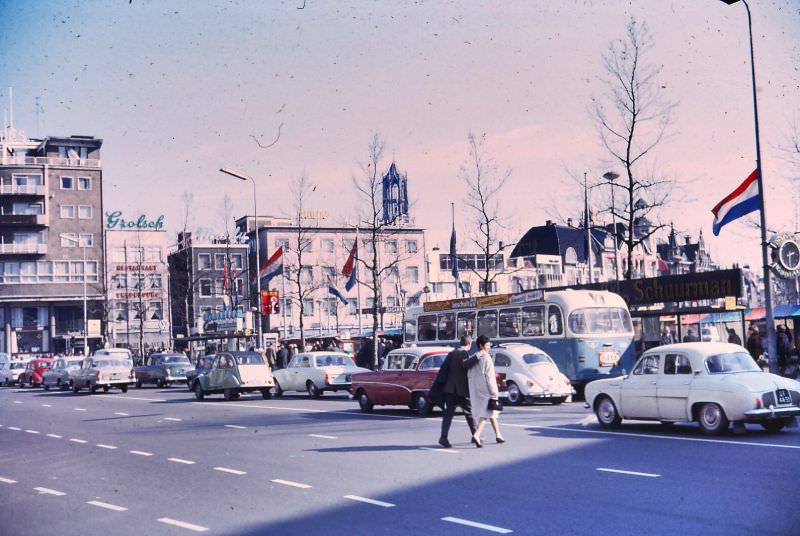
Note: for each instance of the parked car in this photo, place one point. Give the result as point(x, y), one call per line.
point(713, 384)
point(5, 372)
point(32, 375)
point(234, 373)
point(405, 379)
point(202, 366)
point(317, 372)
point(103, 370)
point(163, 369)
point(530, 374)
point(59, 374)
point(10, 374)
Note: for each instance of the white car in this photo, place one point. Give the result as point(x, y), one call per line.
point(103, 370)
point(317, 372)
point(530, 374)
point(10, 374)
point(713, 384)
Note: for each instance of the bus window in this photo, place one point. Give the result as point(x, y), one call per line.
point(447, 325)
point(509, 322)
point(410, 331)
point(466, 324)
point(487, 323)
point(426, 328)
point(532, 321)
point(554, 321)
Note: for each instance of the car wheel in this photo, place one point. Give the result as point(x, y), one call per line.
point(138, 384)
point(774, 426)
point(93, 389)
point(558, 400)
point(422, 406)
point(515, 397)
point(106, 388)
point(75, 388)
point(312, 389)
point(199, 394)
point(363, 401)
point(278, 389)
point(266, 394)
point(607, 413)
point(124, 388)
point(229, 394)
point(46, 387)
point(712, 419)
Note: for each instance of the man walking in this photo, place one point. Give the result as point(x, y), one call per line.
point(456, 388)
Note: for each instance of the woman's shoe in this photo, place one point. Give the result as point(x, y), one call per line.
point(477, 442)
point(501, 440)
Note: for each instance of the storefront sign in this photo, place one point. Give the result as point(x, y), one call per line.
point(115, 222)
point(136, 267)
point(144, 294)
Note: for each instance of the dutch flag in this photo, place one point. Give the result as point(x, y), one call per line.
point(335, 291)
point(349, 269)
point(743, 200)
point(271, 268)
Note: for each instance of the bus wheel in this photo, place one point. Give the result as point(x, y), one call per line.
point(514, 395)
point(607, 413)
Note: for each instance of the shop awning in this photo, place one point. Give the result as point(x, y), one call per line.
point(718, 318)
point(755, 314)
point(786, 310)
point(691, 319)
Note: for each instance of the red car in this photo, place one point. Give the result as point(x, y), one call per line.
point(32, 375)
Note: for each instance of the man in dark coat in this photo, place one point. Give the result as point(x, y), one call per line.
point(456, 387)
point(754, 343)
point(283, 355)
point(733, 338)
point(784, 347)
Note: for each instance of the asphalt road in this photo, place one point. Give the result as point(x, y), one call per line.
point(154, 461)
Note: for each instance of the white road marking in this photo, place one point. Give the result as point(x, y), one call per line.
point(15, 428)
point(80, 409)
point(290, 483)
point(17, 402)
point(54, 436)
point(589, 419)
point(634, 473)
point(126, 397)
point(107, 506)
point(181, 524)
point(46, 406)
point(369, 501)
point(78, 440)
point(438, 449)
point(121, 414)
point(235, 426)
point(140, 453)
point(477, 525)
point(180, 460)
point(231, 471)
point(104, 446)
point(7, 480)
point(48, 491)
point(172, 419)
point(32, 431)
point(322, 436)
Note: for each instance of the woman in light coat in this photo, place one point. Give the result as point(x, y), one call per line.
point(482, 387)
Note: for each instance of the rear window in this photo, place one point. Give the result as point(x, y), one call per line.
point(176, 359)
point(731, 362)
point(333, 361)
point(432, 362)
point(531, 359)
point(249, 359)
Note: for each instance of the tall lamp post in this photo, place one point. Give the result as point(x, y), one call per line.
point(85, 326)
point(244, 177)
point(611, 177)
point(771, 347)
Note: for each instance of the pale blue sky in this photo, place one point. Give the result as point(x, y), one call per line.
point(176, 88)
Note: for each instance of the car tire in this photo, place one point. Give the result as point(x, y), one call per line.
point(124, 388)
point(558, 400)
point(363, 401)
point(106, 388)
point(514, 395)
point(278, 389)
point(199, 394)
point(93, 389)
point(229, 394)
point(138, 384)
point(75, 388)
point(606, 412)
point(265, 394)
point(422, 405)
point(712, 419)
point(312, 389)
point(774, 427)
point(46, 387)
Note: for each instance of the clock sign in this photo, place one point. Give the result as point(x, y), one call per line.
point(785, 255)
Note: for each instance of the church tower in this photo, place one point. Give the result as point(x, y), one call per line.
point(395, 197)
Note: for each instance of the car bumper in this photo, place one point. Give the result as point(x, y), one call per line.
point(113, 383)
point(338, 386)
point(768, 414)
point(175, 379)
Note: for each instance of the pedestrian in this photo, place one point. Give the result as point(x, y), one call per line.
point(271, 356)
point(282, 356)
point(690, 336)
point(666, 336)
point(783, 347)
point(754, 343)
point(482, 390)
point(733, 338)
point(455, 388)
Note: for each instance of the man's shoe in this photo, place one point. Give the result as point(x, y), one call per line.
point(445, 443)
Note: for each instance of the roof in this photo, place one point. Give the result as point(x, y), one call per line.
point(551, 240)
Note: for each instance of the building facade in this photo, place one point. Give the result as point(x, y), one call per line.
point(51, 244)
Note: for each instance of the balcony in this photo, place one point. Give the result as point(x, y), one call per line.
point(24, 220)
point(24, 189)
point(23, 249)
point(49, 161)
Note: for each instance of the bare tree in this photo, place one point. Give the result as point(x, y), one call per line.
point(632, 119)
point(484, 182)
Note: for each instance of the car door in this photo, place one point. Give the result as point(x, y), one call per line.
point(673, 388)
point(217, 373)
point(638, 392)
point(294, 372)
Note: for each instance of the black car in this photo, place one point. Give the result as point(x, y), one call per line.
point(203, 365)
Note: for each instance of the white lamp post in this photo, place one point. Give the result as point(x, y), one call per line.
point(244, 177)
point(85, 321)
point(611, 177)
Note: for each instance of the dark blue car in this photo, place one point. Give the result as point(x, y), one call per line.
point(203, 365)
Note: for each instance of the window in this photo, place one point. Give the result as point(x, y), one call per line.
point(328, 271)
point(118, 254)
point(555, 322)
point(27, 208)
point(282, 243)
point(306, 275)
point(87, 240)
point(11, 272)
point(152, 254)
point(395, 362)
point(466, 287)
point(205, 287)
point(286, 303)
point(69, 240)
point(308, 307)
point(326, 244)
point(27, 272)
point(532, 320)
point(487, 323)
point(509, 323)
point(412, 301)
point(647, 365)
point(121, 312)
point(219, 287)
point(502, 360)
point(236, 261)
point(330, 305)
point(45, 270)
point(76, 270)
point(411, 246)
point(352, 307)
point(391, 246)
point(204, 261)
point(347, 244)
point(465, 324)
point(85, 212)
point(492, 286)
point(61, 270)
point(409, 331)
point(570, 256)
point(240, 287)
point(432, 362)
point(66, 183)
point(677, 364)
point(84, 183)
point(447, 326)
point(67, 212)
point(426, 328)
point(219, 261)
point(412, 274)
point(91, 270)
point(306, 245)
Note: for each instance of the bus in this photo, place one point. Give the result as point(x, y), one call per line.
point(588, 333)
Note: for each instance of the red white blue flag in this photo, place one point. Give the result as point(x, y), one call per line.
point(349, 269)
point(743, 200)
point(271, 268)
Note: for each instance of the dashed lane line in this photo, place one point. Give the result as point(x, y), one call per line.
point(32, 431)
point(437, 449)
point(81, 441)
point(291, 483)
point(231, 471)
point(7, 480)
point(126, 397)
point(18, 402)
point(47, 406)
point(181, 524)
point(79, 409)
point(107, 506)
point(121, 414)
point(369, 501)
point(322, 436)
point(140, 453)
point(175, 419)
point(623, 472)
point(475, 524)
point(15, 428)
point(48, 491)
point(181, 460)
point(236, 426)
point(54, 436)
point(104, 446)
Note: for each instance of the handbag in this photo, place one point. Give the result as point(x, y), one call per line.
point(495, 405)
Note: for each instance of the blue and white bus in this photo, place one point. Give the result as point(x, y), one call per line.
point(588, 333)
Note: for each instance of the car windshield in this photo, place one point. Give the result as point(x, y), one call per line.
point(249, 359)
point(174, 359)
point(334, 360)
point(600, 320)
point(73, 363)
point(112, 363)
point(532, 359)
point(205, 362)
point(731, 362)
point(17, 365)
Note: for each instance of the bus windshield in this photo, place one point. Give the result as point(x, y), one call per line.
point(600, 320)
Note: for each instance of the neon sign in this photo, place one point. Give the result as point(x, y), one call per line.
point(115, 221)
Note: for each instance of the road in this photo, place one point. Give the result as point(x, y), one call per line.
point(154, 461)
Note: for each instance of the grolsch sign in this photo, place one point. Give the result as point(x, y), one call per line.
point(115, 222)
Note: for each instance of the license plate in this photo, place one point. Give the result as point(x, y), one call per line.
point(608, 358)
point(784, 397)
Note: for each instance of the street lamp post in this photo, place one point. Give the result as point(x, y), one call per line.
point(611, 177)
point(85, 321)
point(244, 177)
point(771, 347)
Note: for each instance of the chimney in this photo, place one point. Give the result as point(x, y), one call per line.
point(569, 222)
point(548, 223)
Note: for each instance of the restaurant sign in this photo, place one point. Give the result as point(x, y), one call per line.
point(115, 222)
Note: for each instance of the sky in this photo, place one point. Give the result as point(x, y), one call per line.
point(178, 89)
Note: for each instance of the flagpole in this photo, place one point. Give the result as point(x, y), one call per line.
point(283, 309)
point(358, 288)
point(453, 253)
